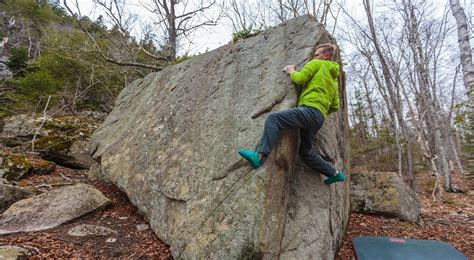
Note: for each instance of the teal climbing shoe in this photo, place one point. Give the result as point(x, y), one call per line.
point(338, 177)
point(252, 157)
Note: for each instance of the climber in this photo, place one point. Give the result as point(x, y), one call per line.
point(319, 97)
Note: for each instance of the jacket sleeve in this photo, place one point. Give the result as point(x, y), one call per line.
point(306, 73)
point(335, 104)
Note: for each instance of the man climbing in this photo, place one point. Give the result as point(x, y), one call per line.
point(319, 97)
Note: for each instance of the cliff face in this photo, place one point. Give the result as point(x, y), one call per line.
point(171, 144)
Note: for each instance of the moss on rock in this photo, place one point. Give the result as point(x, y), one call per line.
point(14, 166)
point(54, 143)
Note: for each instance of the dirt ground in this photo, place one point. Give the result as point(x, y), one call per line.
point(450, 220)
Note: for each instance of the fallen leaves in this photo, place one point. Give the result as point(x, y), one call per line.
point(121, 216)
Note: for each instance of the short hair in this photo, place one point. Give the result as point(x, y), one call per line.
point(327, 48)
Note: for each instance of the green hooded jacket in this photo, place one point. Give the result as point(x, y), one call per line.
point(319, 81)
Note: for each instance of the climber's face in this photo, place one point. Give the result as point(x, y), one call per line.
point(320, 54)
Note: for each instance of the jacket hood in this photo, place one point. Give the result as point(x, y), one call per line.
point(334, 69)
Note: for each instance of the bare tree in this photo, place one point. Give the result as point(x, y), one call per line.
point(392, 98)
point(405, 48)
point(283, 10)
point(180, 19)
point(437, 131)
point(465, 50)
point(106, 56)
point(123, 21)
point(243, 15)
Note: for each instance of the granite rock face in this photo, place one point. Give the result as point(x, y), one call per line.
point(384, 193)
point(171, 144)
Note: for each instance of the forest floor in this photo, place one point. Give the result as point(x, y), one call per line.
point(450, 220)
point(131, 241)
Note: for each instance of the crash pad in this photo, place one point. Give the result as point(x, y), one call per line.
point(390, 248)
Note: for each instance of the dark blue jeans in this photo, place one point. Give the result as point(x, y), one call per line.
point(309, 120)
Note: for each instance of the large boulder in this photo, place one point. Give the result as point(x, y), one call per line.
point(51, 209)
point(384, 193)
point(171, 144)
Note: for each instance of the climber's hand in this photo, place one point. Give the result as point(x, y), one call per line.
point(289, 68)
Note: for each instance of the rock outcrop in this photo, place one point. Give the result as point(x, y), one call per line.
point(171, 144)
point(62, 139)
point(51, 209)
point(384, 193)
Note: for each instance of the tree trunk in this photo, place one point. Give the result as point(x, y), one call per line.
point(433, 122)
point(395, 111)
point(465, 51)
point(171, 43)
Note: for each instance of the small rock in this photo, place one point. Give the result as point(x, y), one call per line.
point(142, 227)
point(89, 230)
point(16, 252)
point(111, 240)
point(44, 167)
point(51, 209)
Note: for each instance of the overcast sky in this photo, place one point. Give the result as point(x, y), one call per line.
point(203, 40)
point(212, 37)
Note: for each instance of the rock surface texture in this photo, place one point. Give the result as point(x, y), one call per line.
point(171, 144)
point(384, 193)
point(51, 209)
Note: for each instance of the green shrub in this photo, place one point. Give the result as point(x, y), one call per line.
point(32, 90)
point(245, 33)
point(18, 61)
point(38, 82)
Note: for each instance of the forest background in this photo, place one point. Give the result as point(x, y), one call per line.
point(408, 63)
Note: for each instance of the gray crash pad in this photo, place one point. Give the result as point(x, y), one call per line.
point(389, 248)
